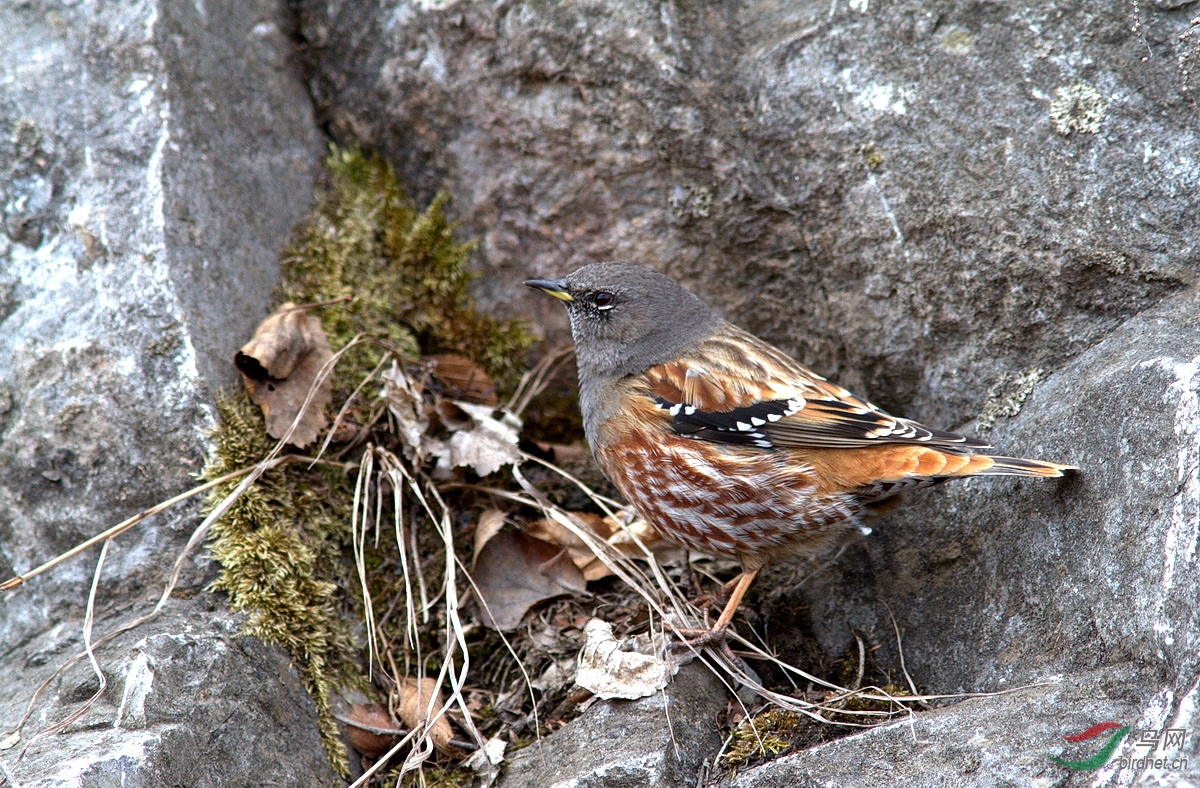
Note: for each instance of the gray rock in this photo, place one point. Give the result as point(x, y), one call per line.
point(1088, 583)
point(938, 205)
point(189, 703)
point(659, 741)
point(1004, 740)
point(1001, 582)
point(877, 187)
point(953, 208)
point(154, 155)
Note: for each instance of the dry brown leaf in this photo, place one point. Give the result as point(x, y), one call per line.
point(609, 672)
point(464, 379)
point(490, 523)
point(608, 529)
point(554, 532)
point(414, 707)
point(566, 454)
point(367, 742)
point(515, 571)
point(623, 539)
point(594, 569)
point(279, 365)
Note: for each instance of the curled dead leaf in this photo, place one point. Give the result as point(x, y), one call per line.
point(515, 571)
point(481, 437)
point(609, 672)
point(416, 701)
point(452, 416)
point(485, 761)
point(623, 539)
point(403, 398)
point(490, 523)
point(280, 364)
point(369, 742)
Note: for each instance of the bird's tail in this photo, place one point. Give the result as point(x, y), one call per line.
point(1017, 466)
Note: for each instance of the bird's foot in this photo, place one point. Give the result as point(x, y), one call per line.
point(698, 638)
point(717, 638)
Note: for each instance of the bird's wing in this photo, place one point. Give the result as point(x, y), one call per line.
point(734, 388)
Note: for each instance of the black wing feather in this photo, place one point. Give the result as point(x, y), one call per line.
point(769, 424)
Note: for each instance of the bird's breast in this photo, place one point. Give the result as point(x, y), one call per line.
point(713, 498)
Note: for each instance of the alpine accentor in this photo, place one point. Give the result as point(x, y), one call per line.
point(727, 444)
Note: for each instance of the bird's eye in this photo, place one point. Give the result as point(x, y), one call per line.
point(603, 300)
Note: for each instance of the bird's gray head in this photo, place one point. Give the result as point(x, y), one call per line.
point(626, 318)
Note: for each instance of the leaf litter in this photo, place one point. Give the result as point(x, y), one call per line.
point(280, 364)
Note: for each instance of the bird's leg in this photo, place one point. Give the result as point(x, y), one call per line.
point(698, 638)
point(691, 577)
point(708, 599)
point(735, 598)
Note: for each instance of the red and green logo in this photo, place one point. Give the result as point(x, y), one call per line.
point(1106, 752)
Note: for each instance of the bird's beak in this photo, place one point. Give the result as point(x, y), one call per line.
point(555, 287)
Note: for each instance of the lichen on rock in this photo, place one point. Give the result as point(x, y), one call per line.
point(1078, 107)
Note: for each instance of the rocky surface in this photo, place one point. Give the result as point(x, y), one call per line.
point(994, 741)
point(1016, 581)
point(965, 210)
point(1088, 583)
point(658, 742)
point(189, 703)
point(154, 155)
point(976, 213)
point(878, 187)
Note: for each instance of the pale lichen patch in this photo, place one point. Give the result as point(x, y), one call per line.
point(1078, 107)
point(1007, 395)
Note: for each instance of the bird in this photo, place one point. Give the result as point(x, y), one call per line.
point(728, 445)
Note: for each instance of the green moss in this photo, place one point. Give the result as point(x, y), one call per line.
point(850, 677)
point(278, 546)
point(435, 777)
point(396, 274)
point(401, 271)
point(872, 156)
point(767, 735)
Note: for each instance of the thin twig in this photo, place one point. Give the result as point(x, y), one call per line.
point(9, 777)
point(912, 686)
point(121, 528)
point(196, 538)
point(359, 515)
point(535, 380)
point(862, 662)
point(89, 618)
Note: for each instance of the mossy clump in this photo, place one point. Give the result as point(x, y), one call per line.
point(767, 735)
point(400, 274)
point(856, 703)
point(852, 676)
point(380, 267)
point(434, 777)
point(278, 545)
